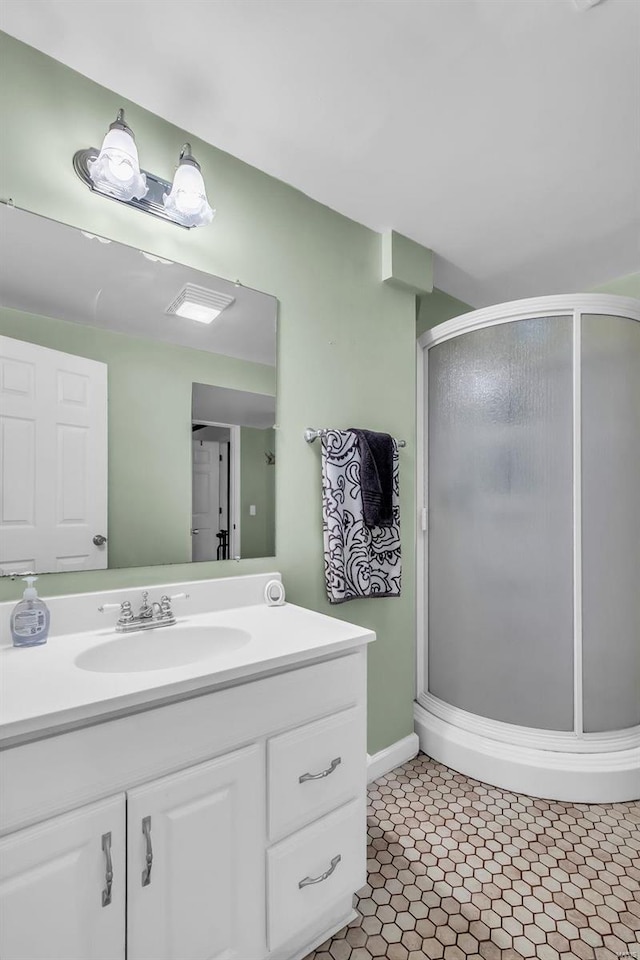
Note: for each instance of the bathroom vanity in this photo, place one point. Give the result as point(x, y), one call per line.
point(207, 809)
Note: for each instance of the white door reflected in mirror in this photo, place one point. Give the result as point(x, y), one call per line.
point(54, 462)
point(233, 489)
point(215, 491)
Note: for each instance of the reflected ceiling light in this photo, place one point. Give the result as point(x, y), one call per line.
point(155, 259)
point(187, 199)
point(114, 172)
point(197, 311)
point(94, 236)
point(198, 303)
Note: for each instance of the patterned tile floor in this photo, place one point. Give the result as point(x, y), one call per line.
point(459, 869)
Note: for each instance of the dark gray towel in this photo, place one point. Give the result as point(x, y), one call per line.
point(376, 477)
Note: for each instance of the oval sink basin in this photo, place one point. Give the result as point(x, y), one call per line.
point(161, 648)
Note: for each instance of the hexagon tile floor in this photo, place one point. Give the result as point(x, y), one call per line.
point(460, 869)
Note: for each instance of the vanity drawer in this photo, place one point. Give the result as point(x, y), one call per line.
point(315, 769)
point(332, 852)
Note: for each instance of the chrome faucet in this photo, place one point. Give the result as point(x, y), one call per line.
point(150, 615)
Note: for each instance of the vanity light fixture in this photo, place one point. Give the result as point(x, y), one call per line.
point(198, 303)
point(114, 172)
point(187, 200)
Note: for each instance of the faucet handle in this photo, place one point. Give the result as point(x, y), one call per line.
point(165, 604)
point(126, 613)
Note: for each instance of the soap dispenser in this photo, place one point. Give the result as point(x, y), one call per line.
point(30, 618)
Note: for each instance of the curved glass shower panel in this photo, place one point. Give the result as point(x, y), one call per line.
point(611, 522)
point(500, 594)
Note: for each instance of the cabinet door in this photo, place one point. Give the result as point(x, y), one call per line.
point(196, 862)
point(55, 901)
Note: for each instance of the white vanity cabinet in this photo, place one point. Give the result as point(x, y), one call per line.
point(194, 862)
point(193, 865)
point(236, 821)
point(57, 901)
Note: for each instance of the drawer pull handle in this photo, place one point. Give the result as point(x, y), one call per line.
point(309, 880)
point(325, 773)
point(108, 873)
point(146, 830)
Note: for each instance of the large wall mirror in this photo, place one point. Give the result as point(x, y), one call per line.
point(137, 406)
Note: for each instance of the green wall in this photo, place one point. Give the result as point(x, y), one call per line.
point(257, 488)
point(346, 341)
point(436, 307)
point(628, 286)
point(149, 419)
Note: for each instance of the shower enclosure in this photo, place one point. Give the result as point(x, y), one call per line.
point(529, 552)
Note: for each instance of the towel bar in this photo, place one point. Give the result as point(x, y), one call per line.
point(310, 435)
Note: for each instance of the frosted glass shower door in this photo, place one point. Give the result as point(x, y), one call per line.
point(500, 544)
point(610, 522)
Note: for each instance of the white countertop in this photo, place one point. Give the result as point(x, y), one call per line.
point(43, 691)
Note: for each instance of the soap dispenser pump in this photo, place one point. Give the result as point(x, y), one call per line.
point(30, 618)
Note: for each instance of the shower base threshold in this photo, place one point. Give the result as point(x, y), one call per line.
point(593, 768)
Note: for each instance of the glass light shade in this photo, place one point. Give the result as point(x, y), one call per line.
point(116, 170)
point(187, 200)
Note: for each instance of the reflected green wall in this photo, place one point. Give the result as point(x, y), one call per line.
point(346, 341)
point(257, 488)
point(149, 417)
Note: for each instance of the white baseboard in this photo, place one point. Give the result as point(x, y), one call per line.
point(391, 757)
point(600, 776)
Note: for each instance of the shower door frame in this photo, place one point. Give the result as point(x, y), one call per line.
point(565, 305)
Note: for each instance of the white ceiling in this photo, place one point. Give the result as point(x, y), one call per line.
point(222, 405)
point(503, 134)
point(54, 270)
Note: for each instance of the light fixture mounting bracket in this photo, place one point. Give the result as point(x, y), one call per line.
point(152, 203)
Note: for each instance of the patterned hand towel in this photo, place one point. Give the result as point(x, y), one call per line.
point(359, 561)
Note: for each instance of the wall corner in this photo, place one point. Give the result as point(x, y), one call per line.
point(405, 263)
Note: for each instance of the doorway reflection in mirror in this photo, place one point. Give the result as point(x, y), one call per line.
point(233, 476)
